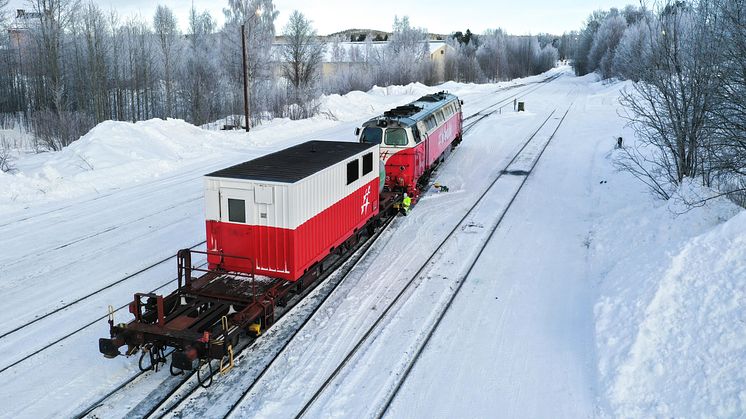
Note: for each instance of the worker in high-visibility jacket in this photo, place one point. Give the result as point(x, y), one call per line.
point(405, 203)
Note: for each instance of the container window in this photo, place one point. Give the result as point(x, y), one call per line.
point(236, 210)
point(372, 135)
point(367, 163)
point(396, 136)
point(353, 170)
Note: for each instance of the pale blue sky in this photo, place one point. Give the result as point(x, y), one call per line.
point(438, 16)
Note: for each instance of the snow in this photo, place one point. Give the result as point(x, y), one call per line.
point(591, 299)
point(671, 335)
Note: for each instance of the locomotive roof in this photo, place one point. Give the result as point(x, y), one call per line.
point(417, 110)
point(295, 163)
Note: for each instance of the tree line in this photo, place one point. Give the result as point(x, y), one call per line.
point(74, 64)
point(688, 107)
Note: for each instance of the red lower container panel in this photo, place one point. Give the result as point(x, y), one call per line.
point(285, 253)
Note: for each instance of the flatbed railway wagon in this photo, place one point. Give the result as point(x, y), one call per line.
point(272, 226)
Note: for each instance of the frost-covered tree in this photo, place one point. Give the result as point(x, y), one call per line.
point(259, 17)
point(728, 149)
point(605, 41)
point(583, 48)
point(337, 52)
point(463, 65)
point(198, 77)
point(167, 31)
point(3, 13)
point(633, 52)
point(491, 54)
point(405, 58)
point(670, 108)
point(302, 56)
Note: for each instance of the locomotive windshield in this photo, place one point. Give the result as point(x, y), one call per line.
point(396, 136)
point(372, 135)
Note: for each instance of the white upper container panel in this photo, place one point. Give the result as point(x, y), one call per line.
point(289, 187)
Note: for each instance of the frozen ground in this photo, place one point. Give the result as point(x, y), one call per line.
point(591, 299)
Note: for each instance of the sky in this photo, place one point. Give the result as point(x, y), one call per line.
point(437, 16)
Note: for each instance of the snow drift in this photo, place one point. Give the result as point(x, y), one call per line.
point(671, 322)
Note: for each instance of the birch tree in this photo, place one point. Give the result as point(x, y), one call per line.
point(168, 34)
point(302, 56)
point(670, 107)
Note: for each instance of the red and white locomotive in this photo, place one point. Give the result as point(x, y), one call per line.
point(415, 138)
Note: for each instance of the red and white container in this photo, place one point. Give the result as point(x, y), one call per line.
point(288, 210)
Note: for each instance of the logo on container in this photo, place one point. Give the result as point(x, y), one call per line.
point(366, 201)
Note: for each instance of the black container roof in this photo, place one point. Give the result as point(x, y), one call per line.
point(295, 163)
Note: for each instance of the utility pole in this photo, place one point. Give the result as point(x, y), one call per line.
point(245, 79)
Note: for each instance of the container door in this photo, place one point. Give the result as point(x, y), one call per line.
point(237, 214)
point(237, 206)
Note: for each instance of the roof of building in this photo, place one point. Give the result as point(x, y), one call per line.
point(295, 163)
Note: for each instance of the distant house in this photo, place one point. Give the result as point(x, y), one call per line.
point(351, 55)
point(438, 50)
point(20, 27)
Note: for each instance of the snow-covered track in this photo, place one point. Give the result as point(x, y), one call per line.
point(535, 151)
point(170, 394)
point(485, 112)
point(33, 352)
point(401, 378)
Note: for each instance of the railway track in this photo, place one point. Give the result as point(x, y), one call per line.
point(369, 336)
point(480, 115)
point(49, 345)
point(30, 257)
point(178, 391)
point(174, 391)
point(181, 388)
point(401, 378)
point(412, 282)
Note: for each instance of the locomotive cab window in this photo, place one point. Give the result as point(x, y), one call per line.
point(396, 137)
point(353, 171)
point(372, 135)
point(236, 210)
point(367, 163)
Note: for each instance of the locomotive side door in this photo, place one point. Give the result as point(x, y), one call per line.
point(426, 148)
point(417, 151)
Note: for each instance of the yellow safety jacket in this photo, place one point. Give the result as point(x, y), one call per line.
point(407, 201)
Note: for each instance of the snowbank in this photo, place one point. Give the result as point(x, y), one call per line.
point(110, 155)
point(671, 318)
point(353, 105)
point(412, 89)
point(114, 154)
